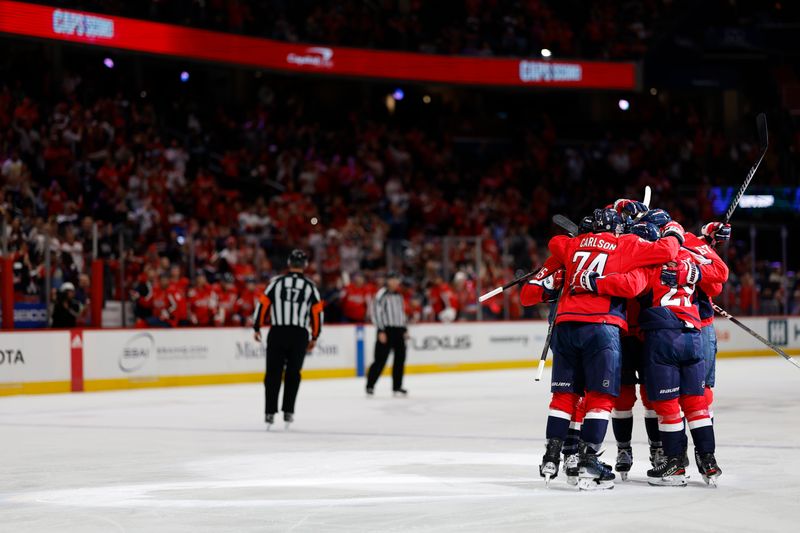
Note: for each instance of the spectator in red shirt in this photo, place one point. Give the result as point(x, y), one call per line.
point(227, 297)
point(246, 303)
point(202, 302)
point(356, 298)
point(160, 303)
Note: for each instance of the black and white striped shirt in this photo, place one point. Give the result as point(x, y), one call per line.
point(388, 310)
point(291, 300)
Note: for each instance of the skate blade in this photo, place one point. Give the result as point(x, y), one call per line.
point(623, 476)
point(711, 481)
point(668, 481)
point(287, 426)
point(269, 426)
point(588, 483)
point(547, 479)
point(572, 480)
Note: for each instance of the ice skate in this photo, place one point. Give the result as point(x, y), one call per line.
point(656, 456)
point(550, 461)
point(592, 474)
point(370, 392)
point(571, 469)
point(269, 419)
point(709, 469)
point(288, 418)
point(400, 393)
point(624, 462)
point(670, 473)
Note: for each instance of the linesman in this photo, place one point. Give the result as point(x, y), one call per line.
point(294, 307)
point(389, 316)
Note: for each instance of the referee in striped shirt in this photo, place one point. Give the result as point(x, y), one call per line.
point(389, 316)
point(295, 309)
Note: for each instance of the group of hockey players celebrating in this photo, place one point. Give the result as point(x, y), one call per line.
point(633, 292)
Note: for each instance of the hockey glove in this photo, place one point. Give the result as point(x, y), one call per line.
point(683, 273)
point(551, 285)
point(584, 281)
point(715, 232)
point(673, 229)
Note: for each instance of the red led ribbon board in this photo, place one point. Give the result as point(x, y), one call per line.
point(94, 29)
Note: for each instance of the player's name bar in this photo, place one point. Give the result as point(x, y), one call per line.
point(47, 22)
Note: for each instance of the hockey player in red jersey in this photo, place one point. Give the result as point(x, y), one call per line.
point(674, 366)
point(633, 373)
point(586, 336)
point(715, 274)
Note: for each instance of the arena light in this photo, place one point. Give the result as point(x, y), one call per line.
point(108, 62)
point(757, 201)
point(314, 221)
point(398, 94)
point(546, 53)
point(184, 76)
point(426, 99)
point(623, 104)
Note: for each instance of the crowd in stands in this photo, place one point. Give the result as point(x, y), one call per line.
point(608, 30)
point(195, 212)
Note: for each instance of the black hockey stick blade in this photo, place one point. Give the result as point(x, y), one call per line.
point(767, 343)
point(763, 133)
point(763, 138)
point(566, 224)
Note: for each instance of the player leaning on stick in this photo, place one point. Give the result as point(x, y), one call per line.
point(674, 366)
point(586, 336)
point(293, 305)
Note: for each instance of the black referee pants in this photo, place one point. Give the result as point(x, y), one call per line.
point(395, 341)
point(286, 350)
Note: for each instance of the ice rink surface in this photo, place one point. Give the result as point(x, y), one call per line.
point(460, 454)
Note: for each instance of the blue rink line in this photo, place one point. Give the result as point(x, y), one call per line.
point(348, 434)
point(360, 361)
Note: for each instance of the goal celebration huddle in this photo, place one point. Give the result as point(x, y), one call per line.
point(633, 292)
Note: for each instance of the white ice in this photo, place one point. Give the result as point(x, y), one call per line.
point(460, 454)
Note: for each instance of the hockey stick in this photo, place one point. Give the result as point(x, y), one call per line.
point(771, 346)
point(566, 224)
point(572, 229)
point(648, 195)
point(560, 221)
point(763, 139)
point(501, 288)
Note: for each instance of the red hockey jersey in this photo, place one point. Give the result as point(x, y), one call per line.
point(661, 306)
point(715, 274)
point(604, 253)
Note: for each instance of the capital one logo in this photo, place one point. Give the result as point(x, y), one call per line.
point(136, 352)
point(317, 56)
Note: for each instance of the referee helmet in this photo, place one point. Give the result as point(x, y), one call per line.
point(297, 259)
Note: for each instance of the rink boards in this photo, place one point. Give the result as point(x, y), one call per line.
point(88, 360)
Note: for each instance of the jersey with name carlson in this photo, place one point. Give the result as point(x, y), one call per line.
point(604, 253)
